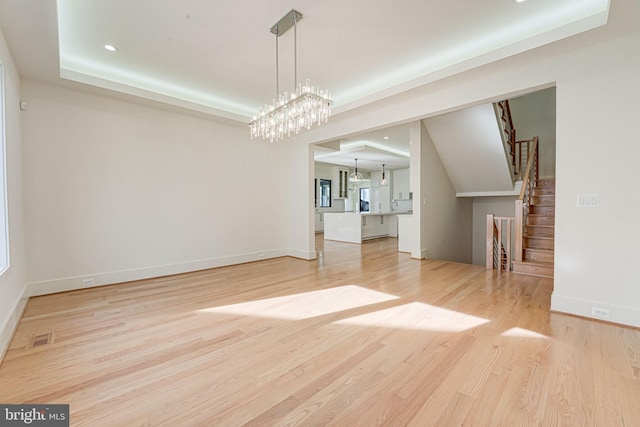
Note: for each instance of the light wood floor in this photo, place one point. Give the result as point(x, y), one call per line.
point(363, 336)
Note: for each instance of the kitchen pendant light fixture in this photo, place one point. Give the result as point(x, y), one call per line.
point(289, 113)
point(356, 176)
point(384, 181)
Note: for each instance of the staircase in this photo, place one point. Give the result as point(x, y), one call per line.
point(537, 247)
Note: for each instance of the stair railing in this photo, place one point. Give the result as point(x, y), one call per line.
point(522, 150)
point(499, 231)
point(529, 180)
point(508, 132)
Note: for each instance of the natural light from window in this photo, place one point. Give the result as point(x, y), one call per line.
point(306, 305)
point(417, 316)
point(523, 333)
point(4, 226)
point(413, 315)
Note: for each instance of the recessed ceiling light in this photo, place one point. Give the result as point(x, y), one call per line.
point(519, 1)
point(110, 47)
point(386, 137)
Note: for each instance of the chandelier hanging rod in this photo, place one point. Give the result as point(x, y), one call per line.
point(303, 107)
point(291, 19)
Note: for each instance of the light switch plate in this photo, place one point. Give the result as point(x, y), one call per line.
point(588, 200)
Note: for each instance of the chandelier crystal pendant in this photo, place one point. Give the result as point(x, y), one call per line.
point(290, 113)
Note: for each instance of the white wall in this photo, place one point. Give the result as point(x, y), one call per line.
point(446, 219)
point(534, 114)
point(12, 281)
point(597, 250)
point(116, 191)
point(499, 206)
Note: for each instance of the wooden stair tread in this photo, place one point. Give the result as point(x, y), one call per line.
point(538, 255)
point(536, 263)
point(534, 268)
point(540, 230)
point(544, 203)
point(536, 216)
point(539, 250)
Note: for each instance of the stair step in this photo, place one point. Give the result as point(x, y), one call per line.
point(533, 230)
point(546, 182)
point(541, 219)
point(542, 209)
point(538, 255)
point(537, 242)
point(539, 269)
point(537, 191)
point(544, 200)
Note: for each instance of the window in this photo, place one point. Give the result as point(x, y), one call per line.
point(4, 226)
point(325, 193)
point(364, 200)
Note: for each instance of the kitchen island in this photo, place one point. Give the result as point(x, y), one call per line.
point(354, 227)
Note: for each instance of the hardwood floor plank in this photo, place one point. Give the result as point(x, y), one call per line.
point(362, 336)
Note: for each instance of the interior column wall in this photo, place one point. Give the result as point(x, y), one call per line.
point(447, 219)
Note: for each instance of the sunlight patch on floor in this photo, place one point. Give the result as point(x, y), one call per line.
point(523, 333)
point(417, 316)
point(307, 304)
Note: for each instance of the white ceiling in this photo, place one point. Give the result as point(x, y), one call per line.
point(475, 133)
point(218, 57)
point(388, 146)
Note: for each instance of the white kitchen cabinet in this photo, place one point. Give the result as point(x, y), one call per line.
point(380, 197)
point(392, 226)
point(400, 184)
point(355, 228)
point(319, 222)
point(340, 183)
point(375, 226)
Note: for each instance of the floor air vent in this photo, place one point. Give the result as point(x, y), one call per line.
point(40, 340)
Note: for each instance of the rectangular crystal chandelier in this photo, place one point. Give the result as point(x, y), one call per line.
point(290, 113)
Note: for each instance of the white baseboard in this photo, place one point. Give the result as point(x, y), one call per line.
point(580, 307)
point(307, 255)
point(100, 279)
point(10, 324)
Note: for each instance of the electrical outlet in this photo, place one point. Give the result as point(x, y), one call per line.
point(600, 313)
point(87, 282)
